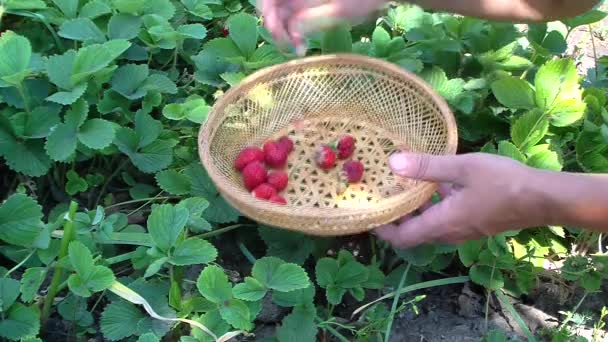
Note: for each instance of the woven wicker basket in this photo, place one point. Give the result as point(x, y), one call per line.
point(313, 100)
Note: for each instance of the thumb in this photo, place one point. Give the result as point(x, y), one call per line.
point(429, 167)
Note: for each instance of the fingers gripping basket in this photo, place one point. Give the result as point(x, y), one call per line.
point(313, 100)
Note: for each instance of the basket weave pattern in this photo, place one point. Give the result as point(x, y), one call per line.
point(314, 100)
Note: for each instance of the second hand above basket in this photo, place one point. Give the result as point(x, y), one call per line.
point(304, 145)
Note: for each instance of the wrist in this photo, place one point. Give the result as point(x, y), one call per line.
point(568, 199)
point(536, 203)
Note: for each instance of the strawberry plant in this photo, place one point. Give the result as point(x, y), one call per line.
point(111, 228)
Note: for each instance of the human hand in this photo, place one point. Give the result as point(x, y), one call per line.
point(291, 20)
point(482, 195)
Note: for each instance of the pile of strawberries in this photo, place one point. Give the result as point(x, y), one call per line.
point(253, 161)
point(343, 148)
point(263, 169)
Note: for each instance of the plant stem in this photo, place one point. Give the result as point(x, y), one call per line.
point(146, 203)
point(597, 75)
point(571, 314)
point(21, 92)
point(107, 182)
point(221, 231)
point(247, 253)
point(68, 236)
point(391, 317)
point(488, 295)
point(16, 267)
point(120, 258)
point(139, 201)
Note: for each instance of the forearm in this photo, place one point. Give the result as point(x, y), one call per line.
point(570, 199)
point(512, 10)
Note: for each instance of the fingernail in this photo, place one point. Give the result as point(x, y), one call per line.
point(399, 162)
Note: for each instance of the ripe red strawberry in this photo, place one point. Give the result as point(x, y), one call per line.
point(264, 191)
point(278, 199)
point(286, 143)
point(278, 179)
point(254, 174)
point(353, 170)
point(325, 157)
point(275, 155)
point(225, 32)
point(345, 146)
point(247, 155)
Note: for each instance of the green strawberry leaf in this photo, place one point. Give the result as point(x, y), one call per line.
point(147, 128)
point(9, 291)
point(587, 18)
point(61, 143)
point(95, 9)
point(15, 55)
point(278, 275)
point(237, 314)
point(96, 134)
point(117, 320)
point(124, 26)
point(352, 274)
point(337, 40)
point(155, 267)
point(193, 251)
point(30, 283)
point(41, 121)
point(529, 129)
point(75, 183)
point(591, 281)
point(95, 57)
point(68, 7)
point(507, 149)
point(198, 8)
point(487, 277)
point(193, 31)
point(27, 157)
point(294, 298)
point(162, 8)
point(514, 92)
point(211, 61)
point(548, 160)
point(74, 309)
point(59, 70)
point(299, 325)
point(88, 278)
point(244, 32)
point(24, 4)
point(286, 245)
point(421, 255)
point(148, 337)
point(81, 29)
point(558, 92)
point(165, 225)
point(326, 271)
point(592, 152)
point(173, 182)
point(20, 220)
point(194, 109)
point(21, 321)
point(196, 206)
point(213, 284)
point(127, 80)
point(68, 97)
point(219, 210)
point(250, 290)
point(334, 294)
point(468, 252)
